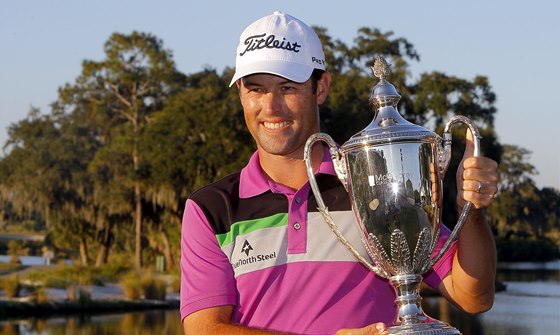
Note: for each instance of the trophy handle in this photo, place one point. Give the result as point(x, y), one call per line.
point(444, 163)
point(340, 170)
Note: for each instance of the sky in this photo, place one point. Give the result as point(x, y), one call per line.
point(516, 44)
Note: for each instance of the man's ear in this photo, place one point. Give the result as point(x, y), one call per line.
point(323, 86)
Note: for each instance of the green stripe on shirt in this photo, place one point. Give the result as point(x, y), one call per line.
point(247, 226)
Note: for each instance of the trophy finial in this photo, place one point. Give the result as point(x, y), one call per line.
point(384, 93)
point(381, 69)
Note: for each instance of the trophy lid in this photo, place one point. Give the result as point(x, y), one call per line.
point(387, 125)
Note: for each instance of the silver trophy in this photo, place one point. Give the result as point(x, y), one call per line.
point(393, 172)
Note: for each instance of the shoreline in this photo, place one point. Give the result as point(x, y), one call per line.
point(13, 309)
point(108, 298)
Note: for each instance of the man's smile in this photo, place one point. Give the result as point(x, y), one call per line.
point(277, 125)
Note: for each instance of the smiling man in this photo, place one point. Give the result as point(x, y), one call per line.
point(257, 256)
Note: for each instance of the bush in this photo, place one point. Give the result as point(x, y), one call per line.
point(40, 295)
point(6, 268)
point(526, 250)
point(136, 284)
point(64, 275)
point(11, 286)
point(72, 292)
point(84, 296)
point(154, 288)
point(14, 259)
point(176, 284)
point(131, 286)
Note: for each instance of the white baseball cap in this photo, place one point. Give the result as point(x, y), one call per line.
point(279, 44)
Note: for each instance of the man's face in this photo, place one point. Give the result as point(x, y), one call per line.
point(281, 114)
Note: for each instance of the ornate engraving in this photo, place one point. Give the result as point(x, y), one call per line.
point(380, 255)
point(400, 252)
point(422, 251)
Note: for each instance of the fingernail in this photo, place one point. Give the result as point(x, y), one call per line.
point(380, 326)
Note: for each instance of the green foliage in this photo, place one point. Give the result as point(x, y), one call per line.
point(154, 288)
point(14, 248)
point(84, 296)
point(176, 283)
point(132, 288)
point(137, 284)
point(63, 276)
point(11, 286)
point(8, 268)
point(526, 250)
point(40, 295)
point(521, 210)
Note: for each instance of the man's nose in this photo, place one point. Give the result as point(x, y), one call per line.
point(272, 103)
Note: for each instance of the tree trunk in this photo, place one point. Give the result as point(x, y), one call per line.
point(137, 195)
point(47, 217)
point(102, 256)
point(104, 247)
point(84, 255)
point(138, 221)
point(167, 248)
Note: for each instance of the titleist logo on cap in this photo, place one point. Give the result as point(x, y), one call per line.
point(257, 42)
point(281, 45)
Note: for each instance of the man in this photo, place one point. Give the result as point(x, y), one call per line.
point(257, 258)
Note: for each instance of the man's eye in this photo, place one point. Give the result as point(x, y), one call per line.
point(288, 88)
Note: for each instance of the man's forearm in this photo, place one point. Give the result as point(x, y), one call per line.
point(474, 266)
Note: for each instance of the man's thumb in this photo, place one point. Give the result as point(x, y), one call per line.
point(469, 145)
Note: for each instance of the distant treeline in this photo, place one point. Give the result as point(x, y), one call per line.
point(106, 171)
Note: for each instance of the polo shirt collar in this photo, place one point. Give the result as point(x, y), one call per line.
point(253, 181)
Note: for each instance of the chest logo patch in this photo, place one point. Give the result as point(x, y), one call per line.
point(246, 248)
point(247, 256)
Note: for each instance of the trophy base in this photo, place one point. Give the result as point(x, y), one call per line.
point(433, 327)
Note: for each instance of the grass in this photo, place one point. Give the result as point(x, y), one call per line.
point(11, 286)
point(131, 286)
point(137, 284)
point(7, 268)
point(154, 288)
point(62, 276)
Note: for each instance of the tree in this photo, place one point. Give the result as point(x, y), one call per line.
point(29, 179)
point(521, 209)
point(46, 173)
point(429, 102)
point(348, 110)
point(125, 89)
point(199, 137)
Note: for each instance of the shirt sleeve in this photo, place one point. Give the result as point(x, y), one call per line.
point(207, 278)
point(435, 276)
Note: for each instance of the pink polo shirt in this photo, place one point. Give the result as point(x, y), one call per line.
point(268, 253)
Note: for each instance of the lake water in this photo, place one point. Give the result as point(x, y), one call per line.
point(164, 322)
point(529, 306)
point(31, 260)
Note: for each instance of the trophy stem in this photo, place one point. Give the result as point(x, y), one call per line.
point(411, 318)
point(408, 299)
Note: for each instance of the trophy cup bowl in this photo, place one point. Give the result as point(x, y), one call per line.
point(393, 172)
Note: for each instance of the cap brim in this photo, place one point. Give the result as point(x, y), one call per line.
point(298, 73)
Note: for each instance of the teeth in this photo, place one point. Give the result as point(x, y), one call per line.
point(276, 125)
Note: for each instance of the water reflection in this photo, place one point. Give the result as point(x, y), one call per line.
point(163, 322)
point(529, 306)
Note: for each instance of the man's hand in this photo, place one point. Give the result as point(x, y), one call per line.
point(373, 329)
point(477, 178)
